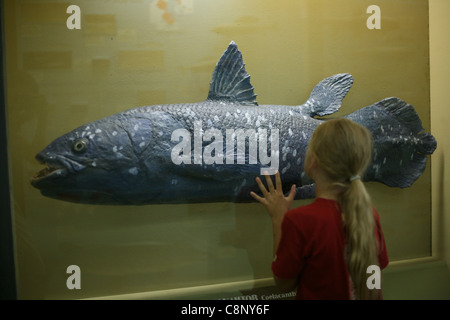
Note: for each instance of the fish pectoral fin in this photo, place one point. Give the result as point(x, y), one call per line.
point(230, 81)
point(327, 95)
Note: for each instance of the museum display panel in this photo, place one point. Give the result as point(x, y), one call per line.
point(69, 64)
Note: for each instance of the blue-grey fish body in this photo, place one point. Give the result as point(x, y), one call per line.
point(212, 150)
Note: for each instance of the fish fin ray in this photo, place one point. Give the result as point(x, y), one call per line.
point(230, 81)
point(327, 95)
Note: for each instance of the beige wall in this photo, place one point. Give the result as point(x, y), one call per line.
point(440, 119)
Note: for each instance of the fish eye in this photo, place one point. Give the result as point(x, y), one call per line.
point(80, 145)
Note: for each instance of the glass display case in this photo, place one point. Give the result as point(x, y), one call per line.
point(67, 64)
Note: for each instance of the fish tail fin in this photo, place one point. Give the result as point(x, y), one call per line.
point(400, 144)
point(327, 95)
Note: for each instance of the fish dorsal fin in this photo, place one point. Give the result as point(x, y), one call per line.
point(327, 95)
point(230, 81)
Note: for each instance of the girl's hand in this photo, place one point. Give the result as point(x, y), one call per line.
point(274, 200)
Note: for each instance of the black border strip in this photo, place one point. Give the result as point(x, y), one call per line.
point(7, 270)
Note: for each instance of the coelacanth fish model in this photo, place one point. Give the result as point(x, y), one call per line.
point(212, 151)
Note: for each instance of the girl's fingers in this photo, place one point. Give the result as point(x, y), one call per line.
point(261, 187)
point(278, 182)
point(292, 193)
point(269, 183)
point(257, 198)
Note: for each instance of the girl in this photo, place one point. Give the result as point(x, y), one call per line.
point(324, 249)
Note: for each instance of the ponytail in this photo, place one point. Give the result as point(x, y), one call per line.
point(359, 225)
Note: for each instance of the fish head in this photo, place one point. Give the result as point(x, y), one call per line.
point(99, 162)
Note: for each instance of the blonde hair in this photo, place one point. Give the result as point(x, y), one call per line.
point(343, 151)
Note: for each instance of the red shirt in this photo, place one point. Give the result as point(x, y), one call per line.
point(312, 248)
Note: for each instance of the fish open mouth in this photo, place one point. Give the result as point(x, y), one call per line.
point(50, 173)
point(57, 168)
